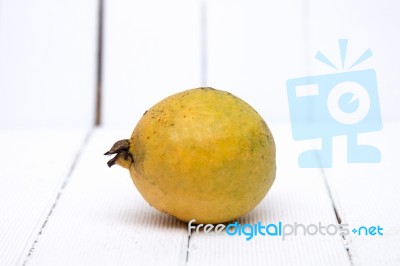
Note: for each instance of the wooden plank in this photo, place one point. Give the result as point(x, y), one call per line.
point(368, 195)
point(47, 63)
point(101, 219)
point(34, 165)
point(151, 50)
point(253, 48)
point(364, 194)
point(297, 196)
point(366, 26)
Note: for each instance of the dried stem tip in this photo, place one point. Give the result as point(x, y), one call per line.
point(122, 157)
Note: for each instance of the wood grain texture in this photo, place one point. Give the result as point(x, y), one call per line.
point(368, 195)
point(34, 166)
point(297, 196)
point(365, 194)
point(47, 63)
point(366, 25)
point(151, 50)
point(60, 209)
point(253, 47)
point(101, 219)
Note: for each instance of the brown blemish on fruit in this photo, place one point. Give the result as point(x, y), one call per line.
point(264, 123)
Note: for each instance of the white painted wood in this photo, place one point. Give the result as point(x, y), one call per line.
point(34, 165)
point(366, 24)
point(47, 62)
point(156, 48)
point(368, 195)
point(151, 50)
point(253, 47)
point(365, 194)
point(298, 195)
point(100, 218)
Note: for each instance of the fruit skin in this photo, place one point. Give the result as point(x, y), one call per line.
point(200, 154)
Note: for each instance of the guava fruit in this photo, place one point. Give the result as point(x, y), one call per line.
point(200, 154)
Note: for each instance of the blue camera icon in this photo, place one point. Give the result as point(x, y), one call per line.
point(324, 106)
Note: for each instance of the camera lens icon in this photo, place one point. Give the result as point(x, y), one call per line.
point(338, 104)
point(348, 103)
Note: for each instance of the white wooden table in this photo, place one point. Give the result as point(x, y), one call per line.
point(61, 205)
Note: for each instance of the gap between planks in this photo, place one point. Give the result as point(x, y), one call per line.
point(59, 194)
point(99, 63)
point(337, 213)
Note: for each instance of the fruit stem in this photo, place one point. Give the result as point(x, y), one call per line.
point(122, 157)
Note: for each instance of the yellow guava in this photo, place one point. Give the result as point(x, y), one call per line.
point(200, 154)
